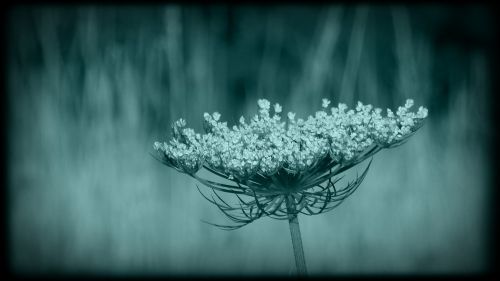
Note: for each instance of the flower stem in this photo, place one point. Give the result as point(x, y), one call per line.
point(298, 251)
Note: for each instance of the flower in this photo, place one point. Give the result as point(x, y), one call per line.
point(272, 160)
point(325, 103)
point(157, 145)
point(277, 108)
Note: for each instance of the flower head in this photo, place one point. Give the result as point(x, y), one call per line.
point(269, 159)
point(216, 116)
point(264, 106)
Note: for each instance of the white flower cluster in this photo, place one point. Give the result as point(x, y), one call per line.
point(266, 143)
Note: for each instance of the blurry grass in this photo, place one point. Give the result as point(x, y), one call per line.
point(85, 108)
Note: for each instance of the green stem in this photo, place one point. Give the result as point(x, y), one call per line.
point(298, 251)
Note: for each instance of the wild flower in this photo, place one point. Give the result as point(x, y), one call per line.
point(271, 147)
point(289, 166)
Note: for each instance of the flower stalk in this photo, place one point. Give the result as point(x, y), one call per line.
point(298, 250)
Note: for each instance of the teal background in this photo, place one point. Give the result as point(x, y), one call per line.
point(90, 88)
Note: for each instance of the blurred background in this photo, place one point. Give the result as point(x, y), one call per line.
point(90, 88)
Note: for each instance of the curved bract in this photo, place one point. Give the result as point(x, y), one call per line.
point(278, 169)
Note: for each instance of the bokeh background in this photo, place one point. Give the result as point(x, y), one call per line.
point(90, 88)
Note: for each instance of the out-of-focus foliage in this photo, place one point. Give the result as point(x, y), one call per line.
point(91, 88)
